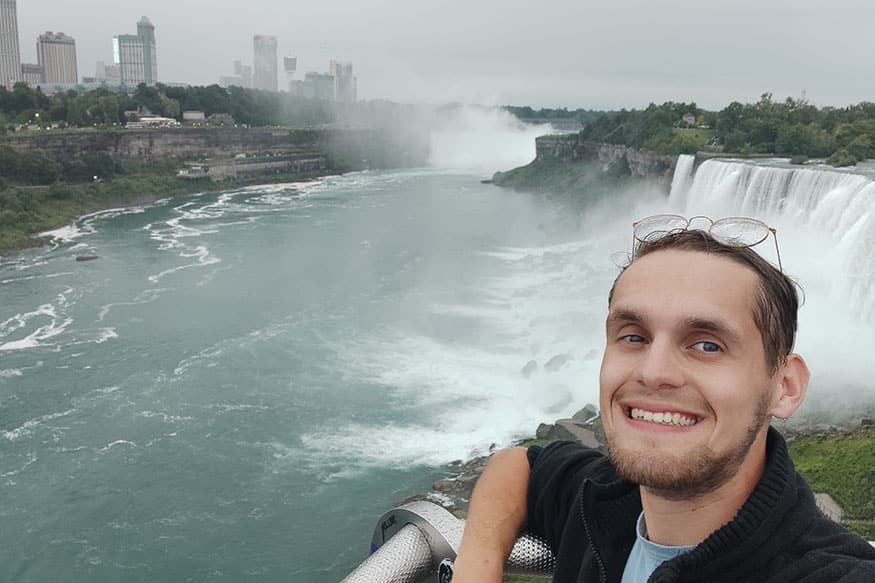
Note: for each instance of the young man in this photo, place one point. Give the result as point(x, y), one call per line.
point(697, 486)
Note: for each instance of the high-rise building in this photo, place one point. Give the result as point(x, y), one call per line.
point(33, 74)
point(136, 55)
point(290, 64)
point(56, 53)
point(242, 76)
point(10, 56)
point(344, 82)
point(322, 84)
point(264, 74)
point(109, 74)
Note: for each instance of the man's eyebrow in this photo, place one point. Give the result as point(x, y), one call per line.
point(715, 326)
point(622, 315)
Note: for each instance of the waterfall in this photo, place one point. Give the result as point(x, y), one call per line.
point(826, 214)
point(683, 174)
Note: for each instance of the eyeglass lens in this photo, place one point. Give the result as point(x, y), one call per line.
point(740, 231)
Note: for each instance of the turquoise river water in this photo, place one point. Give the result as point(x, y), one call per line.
point(244, 381)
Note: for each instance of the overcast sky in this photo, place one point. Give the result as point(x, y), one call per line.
point(572, 53)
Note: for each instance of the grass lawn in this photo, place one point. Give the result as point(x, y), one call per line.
point(843, 466)
point(697, 135)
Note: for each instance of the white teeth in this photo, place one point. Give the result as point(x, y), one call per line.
point(664, 418)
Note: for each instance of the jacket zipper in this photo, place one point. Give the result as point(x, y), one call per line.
point(602, 570)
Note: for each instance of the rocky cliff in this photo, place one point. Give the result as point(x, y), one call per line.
point(345, 149)
point(571, 148)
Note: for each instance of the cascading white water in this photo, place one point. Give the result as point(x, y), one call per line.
point(827, 204)
point(482, 140)
point(683, 176)
point(826, 232)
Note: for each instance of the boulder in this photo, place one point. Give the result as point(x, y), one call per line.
point(543, 431)
point(586, 415)
point(599, 432)
point(572, 430)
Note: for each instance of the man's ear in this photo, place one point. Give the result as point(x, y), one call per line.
point(792, 377)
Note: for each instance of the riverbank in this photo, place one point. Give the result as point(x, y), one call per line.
point(26, 211)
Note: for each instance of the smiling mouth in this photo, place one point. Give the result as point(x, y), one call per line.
point(662, 417)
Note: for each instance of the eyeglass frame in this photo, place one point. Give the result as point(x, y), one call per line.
point(711, 225)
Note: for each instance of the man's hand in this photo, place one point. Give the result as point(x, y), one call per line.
point(496, 516)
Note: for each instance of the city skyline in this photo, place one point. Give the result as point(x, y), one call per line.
point(623, 54)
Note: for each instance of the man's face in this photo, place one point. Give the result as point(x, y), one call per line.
point(685, 389)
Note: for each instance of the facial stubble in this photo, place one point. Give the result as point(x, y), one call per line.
point(694, 474)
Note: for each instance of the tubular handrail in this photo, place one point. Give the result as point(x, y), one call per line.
point(412, 541)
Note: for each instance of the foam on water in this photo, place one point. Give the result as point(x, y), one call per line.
point(165, 417)
point(144, 297)
point(56, 325)
point(66, 233)
point(30, 459)
point(85, 225)
point(29, 426)
point(116, 443)
point(106, 334)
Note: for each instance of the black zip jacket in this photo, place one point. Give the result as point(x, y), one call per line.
point(588, 516)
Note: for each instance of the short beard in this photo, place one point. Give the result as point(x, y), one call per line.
point(701, 472)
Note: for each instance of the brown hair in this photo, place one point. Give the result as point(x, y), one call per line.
point(776, 301)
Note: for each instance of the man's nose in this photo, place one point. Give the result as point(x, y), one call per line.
point(659, 366)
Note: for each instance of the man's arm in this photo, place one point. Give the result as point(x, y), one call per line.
point(496, 515)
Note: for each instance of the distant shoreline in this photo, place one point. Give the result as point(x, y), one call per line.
point(73, 214)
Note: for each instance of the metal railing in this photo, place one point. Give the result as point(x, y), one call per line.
point(417, 542)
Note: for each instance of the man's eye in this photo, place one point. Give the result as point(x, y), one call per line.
point(633, 339)
point(706, 346)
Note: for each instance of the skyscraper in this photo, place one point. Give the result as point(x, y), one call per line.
point(242, 76)
point(264, 74)
point(344, 82)
point(10, 56)
point(110, 74)
point(33, 74)
point(136, 55)
point(322, 85)
point(56, 53)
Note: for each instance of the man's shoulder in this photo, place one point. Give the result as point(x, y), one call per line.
point(828, 552)
point(571, 457)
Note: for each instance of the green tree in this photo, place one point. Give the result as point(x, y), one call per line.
point(9, 160)
point(842, 157)
point(148, 97)
point(37, 167)
point(797, 139)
